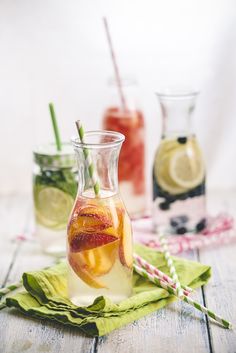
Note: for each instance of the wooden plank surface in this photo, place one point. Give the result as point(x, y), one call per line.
point(177, 328)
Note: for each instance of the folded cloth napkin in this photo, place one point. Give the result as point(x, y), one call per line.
point(46, 296)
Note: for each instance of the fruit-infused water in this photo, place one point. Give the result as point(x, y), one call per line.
point(99, 236)
point(178, 170)
point(130, 122)
point(132, 157)
point(54, 192)
point(99, 249)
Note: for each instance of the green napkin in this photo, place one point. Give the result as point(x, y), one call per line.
point(46, 296)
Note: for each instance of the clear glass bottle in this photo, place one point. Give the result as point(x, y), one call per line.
point(129, 122)
point(178, 171)
point(54, 191)
point(99, 242)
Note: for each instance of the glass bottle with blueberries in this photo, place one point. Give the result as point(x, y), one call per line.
point(178, 172)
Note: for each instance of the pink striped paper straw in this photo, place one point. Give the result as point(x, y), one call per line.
point(194, 242)
point(114, 61)
point(158, 273)
point(220, 230)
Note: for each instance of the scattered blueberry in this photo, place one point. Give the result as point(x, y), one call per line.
point(201, 225)
point(182, 140)
point(181, 230)
point(164, 206)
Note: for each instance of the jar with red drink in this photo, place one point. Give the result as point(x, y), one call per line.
point(129, 120)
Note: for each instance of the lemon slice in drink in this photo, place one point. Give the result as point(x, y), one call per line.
point(52, 207)
point(161, 170)
point(186, 167)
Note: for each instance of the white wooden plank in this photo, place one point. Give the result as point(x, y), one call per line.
point(13, 220)
point(177, 328)
point(220, 293)
point(19, 333)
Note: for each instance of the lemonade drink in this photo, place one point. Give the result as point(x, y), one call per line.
point(178, 170)
point(99, 241)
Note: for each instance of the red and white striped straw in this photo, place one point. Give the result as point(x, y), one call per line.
point(154, 271)
point(220, 231)
point(181, 295)
point(194, 242)
point(114, 61)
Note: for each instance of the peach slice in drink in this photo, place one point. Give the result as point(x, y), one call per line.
point(79, 266)
point(125, 248)
point(87, 241)
point(100, 260)
point(89, 219)
point(92, 263)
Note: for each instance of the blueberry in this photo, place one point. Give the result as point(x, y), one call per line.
point(181, 230)
point(183, 218)
point(171, 199)
point(179, 220)
point(192, 193)
point(183, 196)
point(182, 140)
point(164, 206)
point(173, 222)
point(201, 225)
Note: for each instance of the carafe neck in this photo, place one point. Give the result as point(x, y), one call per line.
point(177, 110)
point(98, 161)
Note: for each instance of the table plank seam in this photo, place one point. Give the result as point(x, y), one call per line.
point(94, 348)
point(207, 322)
point(11, 265)
point(206, 317)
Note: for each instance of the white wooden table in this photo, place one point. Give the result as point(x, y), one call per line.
point(177, 328)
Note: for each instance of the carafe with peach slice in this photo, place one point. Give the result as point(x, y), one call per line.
point(99, 242)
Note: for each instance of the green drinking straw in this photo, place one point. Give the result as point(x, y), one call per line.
point(4, 291)
point(55, 127)
point(170, 264)
point(88, 159)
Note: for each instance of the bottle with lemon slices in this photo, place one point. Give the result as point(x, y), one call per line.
point(178, 171)
point(54, 191)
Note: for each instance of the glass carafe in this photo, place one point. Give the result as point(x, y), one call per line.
point(178, 171)
point(99, 242)
point(130, 122)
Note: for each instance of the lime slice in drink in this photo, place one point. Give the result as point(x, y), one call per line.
point(52, 207)
point(186, 167)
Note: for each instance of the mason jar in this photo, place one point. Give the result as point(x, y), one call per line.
point(54, 192)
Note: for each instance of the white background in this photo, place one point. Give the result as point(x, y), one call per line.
point(56, 50)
